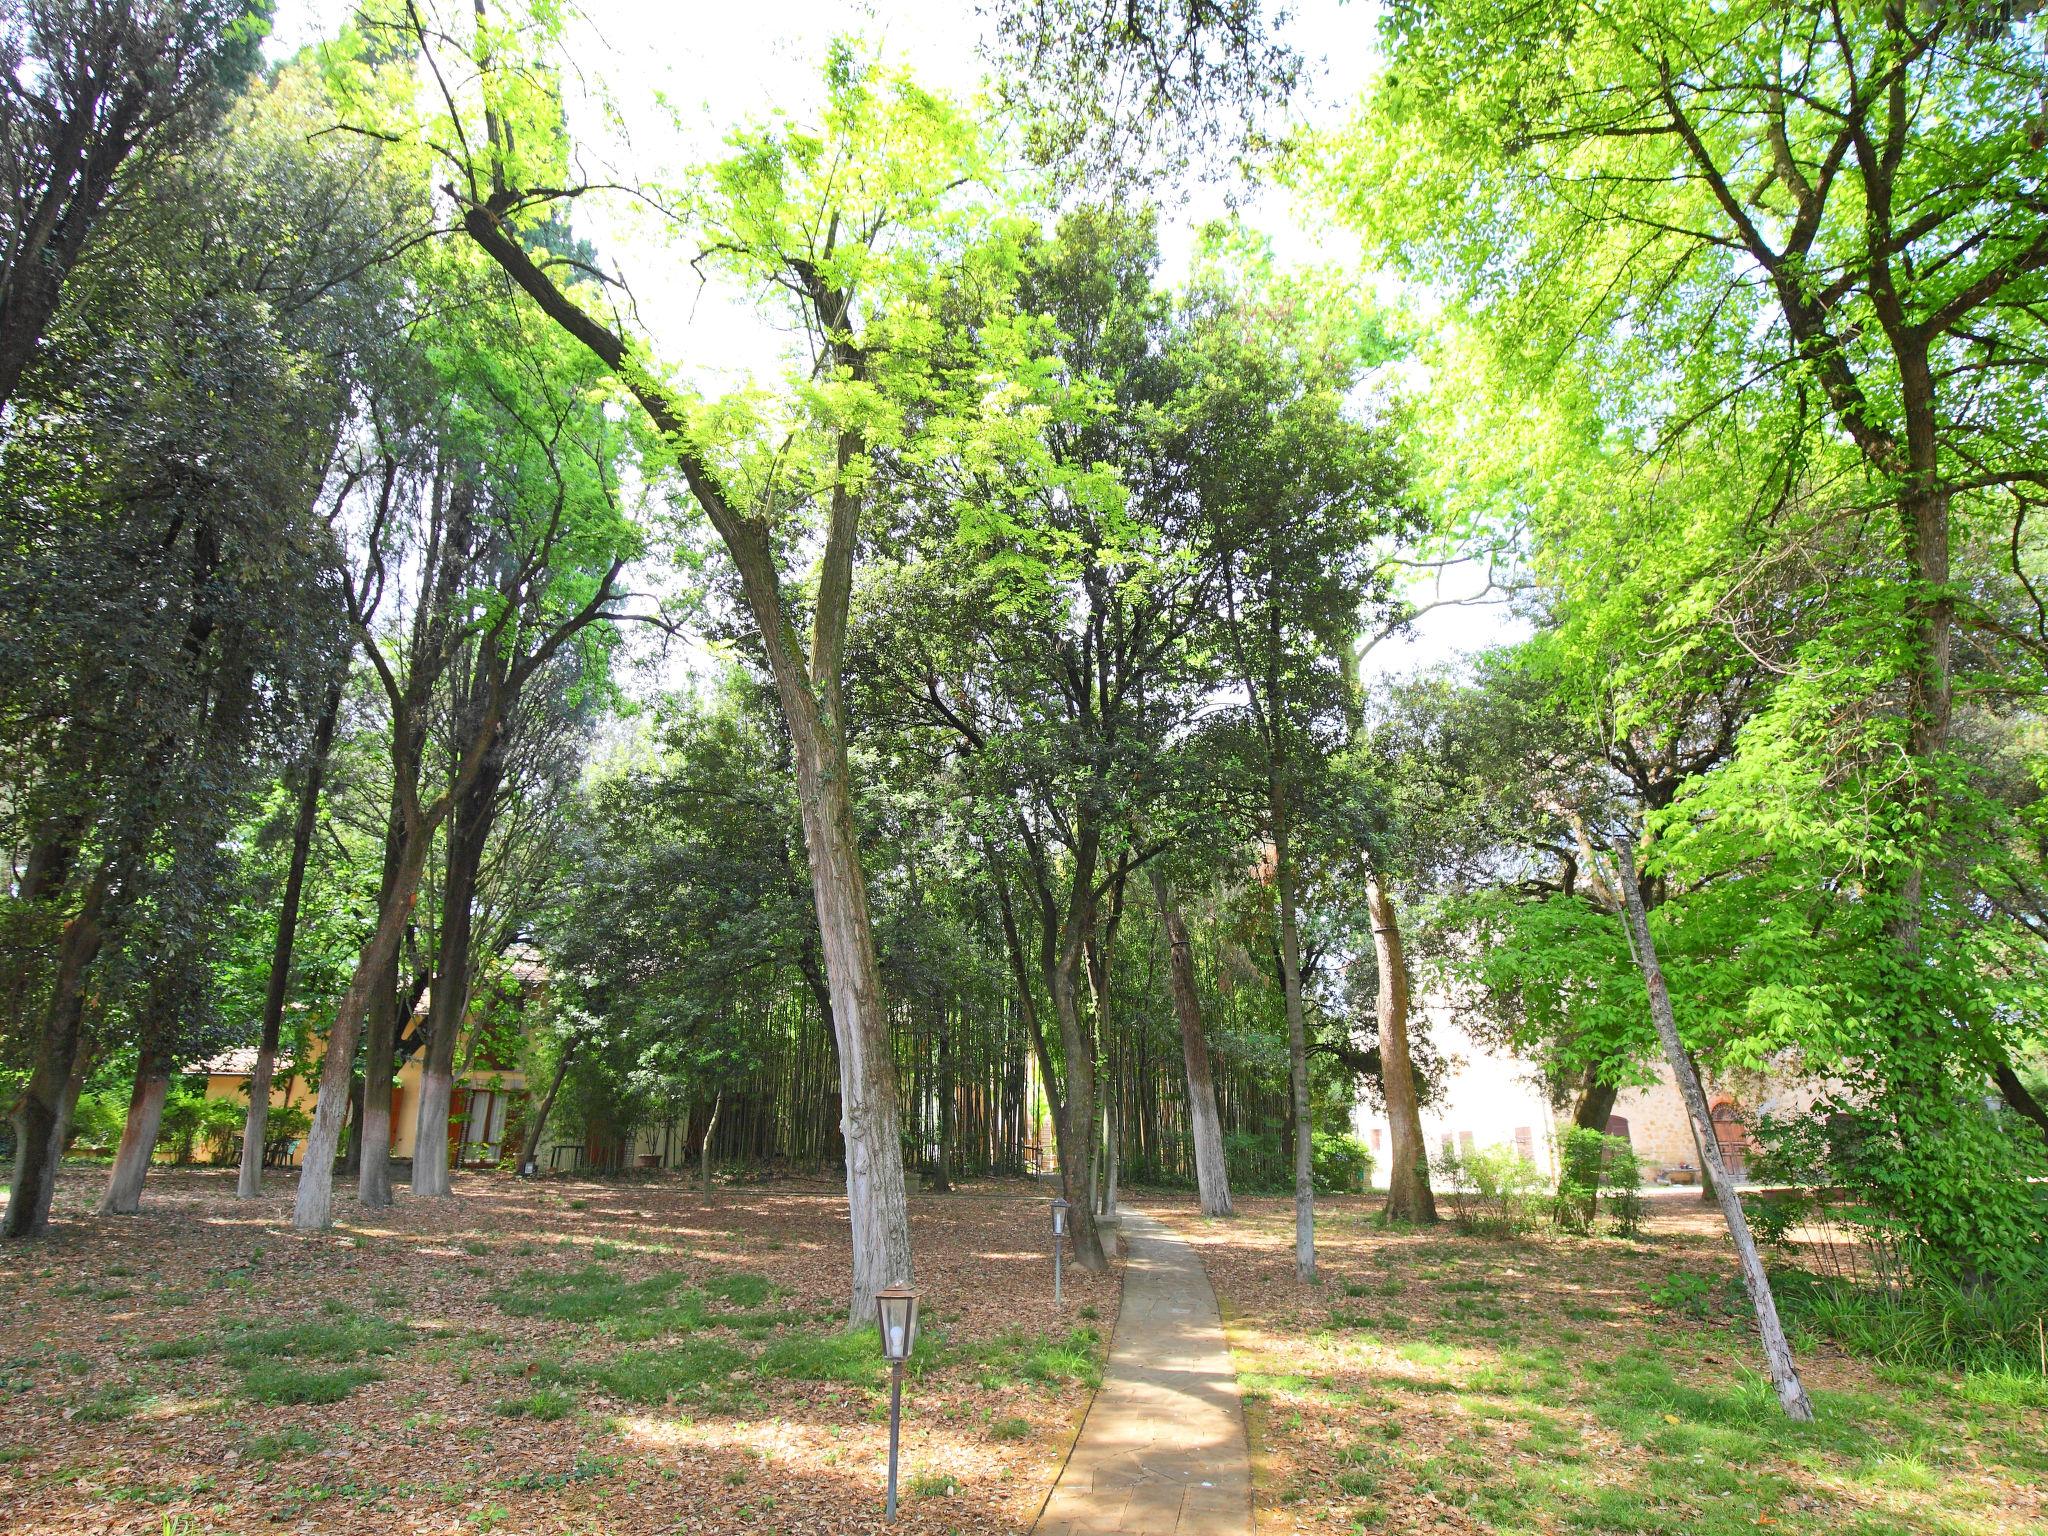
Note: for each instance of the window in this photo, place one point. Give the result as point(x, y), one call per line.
point(1525, 1143)
point(1375, 1138)
point(1465, 1142)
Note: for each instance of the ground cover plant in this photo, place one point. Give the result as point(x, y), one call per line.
point(560, 1357)
point(1547, 1382)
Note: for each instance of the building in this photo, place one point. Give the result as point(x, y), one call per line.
point(1492, 1098)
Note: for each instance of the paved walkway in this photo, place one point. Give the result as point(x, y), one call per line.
point(1162, 1451)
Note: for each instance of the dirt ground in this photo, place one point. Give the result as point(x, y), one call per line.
point(556, 1358)
point(1440, 1383)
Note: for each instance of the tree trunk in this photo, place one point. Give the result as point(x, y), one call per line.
point(1594, 1105)
point(82, 1062)
point(704, 1153)
point(380, 1046)
point(313, 1206)
point(942, 1180)
point(138, 1135)
point(1027, 1006)
point(1205, 1126)
point(2016, 1095)
point(529, 1155)
point(255, 1129)
point(1777, 1352)
point(1297, 1054)
point(1409, 1197)
point(448, 1004)
point(39, 1118)
point(1075, 1043)
point(1112, 1123)
point(808, 688)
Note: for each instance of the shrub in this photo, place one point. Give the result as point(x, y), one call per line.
point(1933, 1322)
point(1592, 1166)
point(97, 1121)
point(1340, 1164)
point(1493, 1191)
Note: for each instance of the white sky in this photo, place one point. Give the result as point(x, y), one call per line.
point(723, 64)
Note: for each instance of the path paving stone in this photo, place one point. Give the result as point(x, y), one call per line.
point(1162, 1451)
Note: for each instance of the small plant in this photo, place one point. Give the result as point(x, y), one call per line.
point(1684, 1292)
point(289, 1441)
point(1492, 1191)
point(1010, 1428)
point(544, 1403)
point(279, 1381)
point(935, 1485)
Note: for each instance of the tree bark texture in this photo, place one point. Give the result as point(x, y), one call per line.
point(39, 1117)
point(1205, 1126)
point(529, 1155)
point(1409, 1197)
point(138, 1136)
point(256, 1128)
point(1297, 1049)
point(1777, 1352)
point(469, 832)
point(313, 1206)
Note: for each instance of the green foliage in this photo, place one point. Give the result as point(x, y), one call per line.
point(1592, 1167)
point(1933, 1322)
point(1493, 1191)
point(279, 1381)
point(1342, 1164)
point(689, 1369)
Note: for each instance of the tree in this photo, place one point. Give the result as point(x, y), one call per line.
point(1296, 501)
point(95, 93)
point(845, 221)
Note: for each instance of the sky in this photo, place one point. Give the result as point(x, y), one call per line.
point(663, 80)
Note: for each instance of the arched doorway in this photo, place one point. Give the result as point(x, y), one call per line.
point(1731, 1137)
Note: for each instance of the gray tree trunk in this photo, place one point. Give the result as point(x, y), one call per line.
point(138, 1138)
point(39, 1117)
point(1297, 1053)
point(1409, 1197)
point(256, 1128)
point(1205, 1126)
point(1777, 1352)
point(704, 1164)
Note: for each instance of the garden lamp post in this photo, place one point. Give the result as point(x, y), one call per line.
point(896, 1312)
point(1059, 1243)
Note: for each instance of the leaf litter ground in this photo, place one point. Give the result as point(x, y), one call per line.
point(557, 1358)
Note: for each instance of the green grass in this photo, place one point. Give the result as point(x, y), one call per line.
point(331, 1340)
point(279, 1381)
point(1042, 1358)
point(289, 1441)
point(189, 1348)
point(110, 1404)
point(693, 1367)
point(1010, 1428)
point(593, 1294)
point(741, 1289)
point(854, 1357)
point(545, 1403)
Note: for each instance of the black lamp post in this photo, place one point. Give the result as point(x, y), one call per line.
point(1059, 1244)
point(896, 1313)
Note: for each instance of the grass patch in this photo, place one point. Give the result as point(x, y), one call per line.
point(691, 1368)
point(289, 1441)
point(280, 1381)
point(595, 1295)
point(1010, 1428)
point(546, 1403)
point(331, 1340)
point(741, 1289)
point(177, 1349)
point(854, 1357)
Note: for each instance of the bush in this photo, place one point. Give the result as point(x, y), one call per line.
point(1339, 1164)
point(1494, 1191)
point(1590, 1165)
point(191, 1119)
point(97, 1121)
point(1935, 1323)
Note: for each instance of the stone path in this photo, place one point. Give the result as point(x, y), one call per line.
point(1162, 1451)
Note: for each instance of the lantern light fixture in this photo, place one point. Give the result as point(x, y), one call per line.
point(896, 1318)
